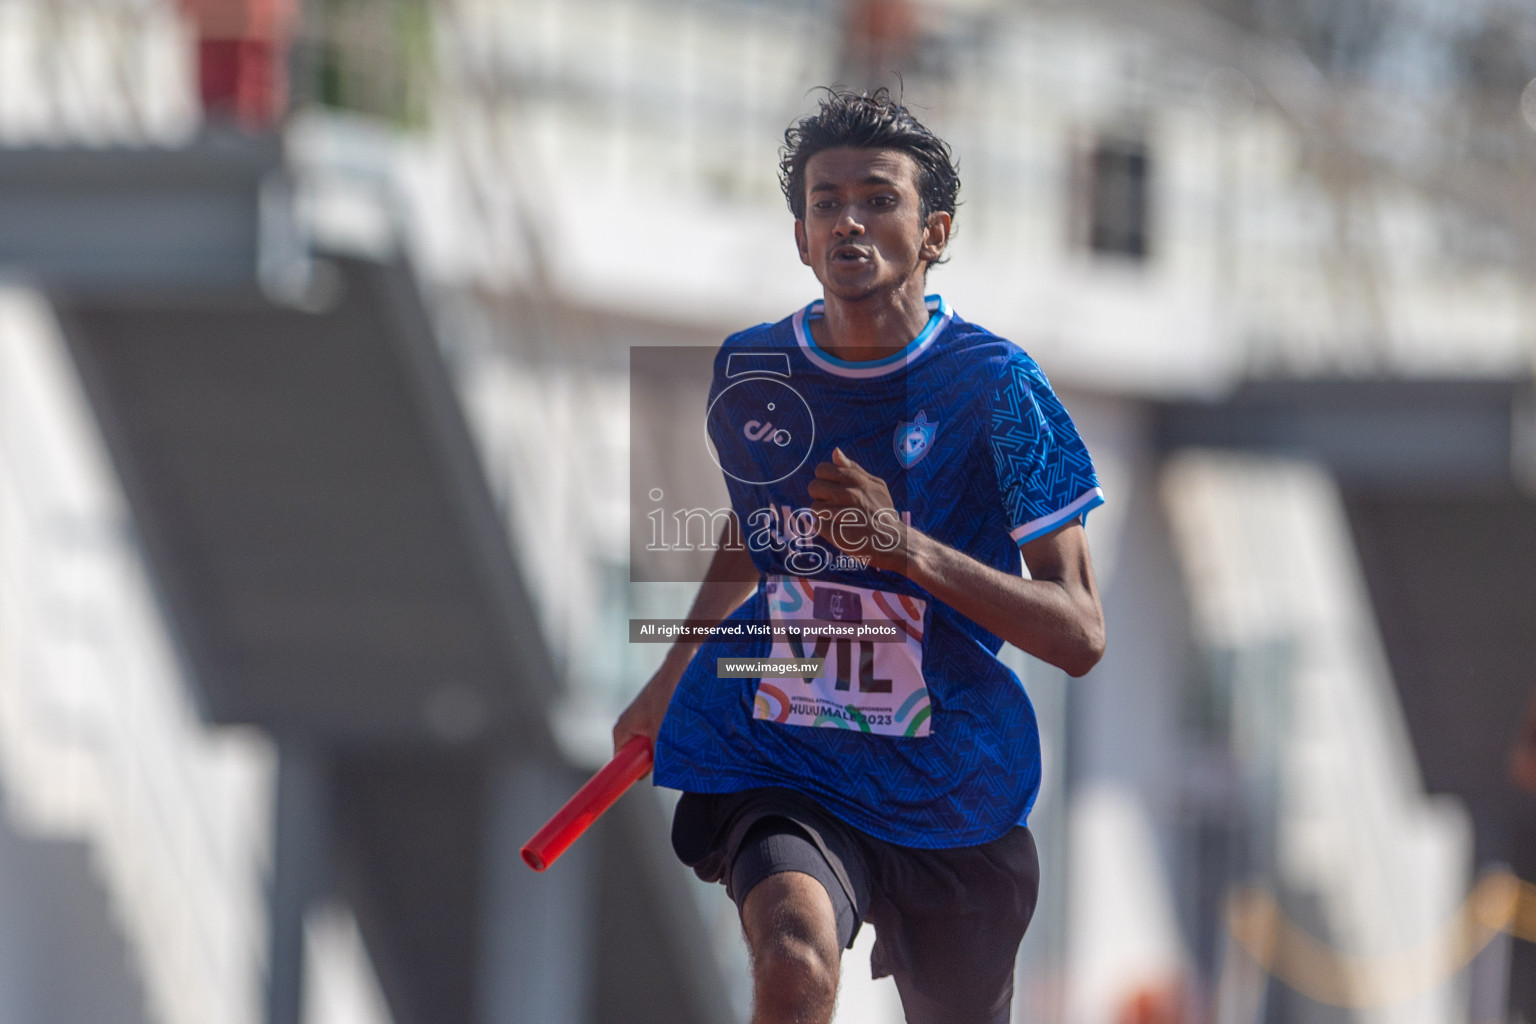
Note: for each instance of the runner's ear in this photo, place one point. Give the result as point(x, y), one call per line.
point(936, 236)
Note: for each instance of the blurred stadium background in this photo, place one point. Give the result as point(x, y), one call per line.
point(315, 318)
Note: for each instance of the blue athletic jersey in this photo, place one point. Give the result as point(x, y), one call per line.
point(976, 448)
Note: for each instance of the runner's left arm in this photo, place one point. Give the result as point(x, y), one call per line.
point(1054, 615)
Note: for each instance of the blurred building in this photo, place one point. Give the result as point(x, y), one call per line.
point(315, 422)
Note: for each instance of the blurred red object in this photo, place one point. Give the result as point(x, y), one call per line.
point(1155, 1004)
point(880, 36)
point(242, 57)
point(1522, 758)
point(241, 78)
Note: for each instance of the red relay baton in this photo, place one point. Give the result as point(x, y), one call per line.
point(628, 766)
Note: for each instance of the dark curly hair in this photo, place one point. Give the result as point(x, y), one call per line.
point(873, 120)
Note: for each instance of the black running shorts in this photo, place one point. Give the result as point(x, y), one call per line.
point(947, 922)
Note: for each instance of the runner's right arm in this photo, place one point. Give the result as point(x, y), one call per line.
point(731, 579)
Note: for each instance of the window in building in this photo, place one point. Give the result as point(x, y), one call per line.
point(1118, 179)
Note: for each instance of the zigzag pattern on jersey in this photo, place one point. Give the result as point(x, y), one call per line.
point(1042, 463)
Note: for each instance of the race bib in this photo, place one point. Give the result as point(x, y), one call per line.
point(868, 686)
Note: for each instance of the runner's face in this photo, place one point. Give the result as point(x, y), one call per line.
point(863, 231)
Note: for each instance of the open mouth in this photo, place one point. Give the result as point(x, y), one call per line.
point(850, 254)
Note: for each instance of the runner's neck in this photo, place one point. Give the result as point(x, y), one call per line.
point(865, 331)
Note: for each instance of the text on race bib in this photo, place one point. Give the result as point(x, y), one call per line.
point(866, 686)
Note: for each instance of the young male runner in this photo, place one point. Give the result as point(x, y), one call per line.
point(915, 457)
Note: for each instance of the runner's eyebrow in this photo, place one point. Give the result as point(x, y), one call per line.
point(873, 179)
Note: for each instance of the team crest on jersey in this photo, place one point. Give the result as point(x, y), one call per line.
point(913, 439)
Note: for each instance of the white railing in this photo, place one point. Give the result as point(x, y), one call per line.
point(96, 72)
